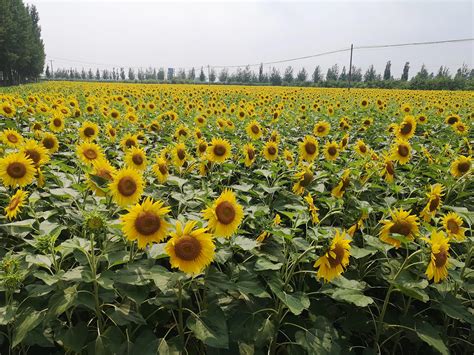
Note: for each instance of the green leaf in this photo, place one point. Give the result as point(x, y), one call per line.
point(321, 339)
point(123, 315)
point(263, 264)
point(245, 243)
point(210, 327)
point(454, 308)
point(7, 314)
point(28, 321)
point(296, 302)
point(62, 301)
point(430, 335)
point(350, 291)
point(75, 338)
point(146, 343)
point(408, 285)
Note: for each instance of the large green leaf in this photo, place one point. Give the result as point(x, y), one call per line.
point(320, 339)
point(210, 327)
point(28, 320)
point(430, 335)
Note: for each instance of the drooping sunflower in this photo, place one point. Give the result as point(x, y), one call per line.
point(136, 158)
point(160, 168)
point(254, 130)
point(179, 154)
point(88, 131)
point(89, 152)
point(16, 169)
point(126, 187)
point(339, 190)
point(219, 150)
point(434, 202)
point(438, 266)
point(308, 149)
point(249, 154)
point(344, 142)
point(304, 177)
point(402, 223)
point(16, 202)
point(331, 150)
point(335, 260)
point(321, 129)
point(407, 128)
point(56, 123)
point(146, 222)
point(225, 215)
point(190, 250)
point(104, 170)
point(36, 152)
point(461, 166)
point(452, 224)
point(270, 150)
point(312, 208)
point(401, 151)
point(11, 138)
point(50, 142)
point(388, 169)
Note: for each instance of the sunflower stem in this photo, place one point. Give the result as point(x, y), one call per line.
point(180, 312)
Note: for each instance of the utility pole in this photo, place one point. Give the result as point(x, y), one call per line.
point(350, 67)
point(52, 70)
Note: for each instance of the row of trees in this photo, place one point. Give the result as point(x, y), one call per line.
point(334, 77)
point(21, 47)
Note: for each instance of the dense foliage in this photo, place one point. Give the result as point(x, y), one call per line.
point(144, 219)
point(21, 47)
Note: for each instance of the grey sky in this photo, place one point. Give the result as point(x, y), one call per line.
point(185, 34)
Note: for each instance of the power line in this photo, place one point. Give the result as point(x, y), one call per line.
point(282, 60)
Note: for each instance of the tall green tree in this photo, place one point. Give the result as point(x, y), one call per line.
point(406, 69)
point(387, 75)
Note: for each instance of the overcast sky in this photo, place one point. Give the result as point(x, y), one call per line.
point(193, 33)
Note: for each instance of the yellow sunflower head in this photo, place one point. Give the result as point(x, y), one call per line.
point(219, 150)
point(254, 130)
point(402, 225)
point(321, 129)
point(36, 152)
point(146, 222)
point(11, 138)
point(249, 154)
point(270, 150)
point(225, 215)
point(126, 187)
point(160, 168)
point(335, 260)
point(339, 190)
point(50, 142)
point(361, 148)
point(190, 250)
point(179, 154)
point(331, 150)
point(461, 166)
point(89, 152)
point(309, 149)
point(304, 177)
point(401, 151)
point(136, 158)
point(438, 266)
point(88, 131)
point(16, 170)
point(407, 128)
point(452, 224)
point(102, 169)
point(16, 202)
point(434, 202)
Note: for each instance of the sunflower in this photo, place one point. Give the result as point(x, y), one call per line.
point(438, 267)
point(321, 129)
point(88, 152)
point(36, 152)
point(407, 128)
point(401, 151)
point(343, 184)
point(160, 168)
point(402, 223)
point(344, 141)
point(422, 119)
point(460, 128)
point(304, 177)
point(219, 150)
point(452, 119)
point(16, 169)
point(179, 154)
point(270, 150)
point(16, 202)
point(7, 110)
point(388, 169)
point(201, 147)
point(434, 202)
point(104, 170)
point(254, 130)
point(452, 224)
point(249, 154)
point(56, 124)
point(288, 156)
point(50, 142)
point(312, 208)
point(146, 222)
point(111, 132)
point(225, 215)
point(200, 121)
point(364, 103)
point(181, 132)
point(361, 148)
point(136, 158)
point(336, 259)
point(331, 151)
point(308, 149)
point(130, 140)
point(11, 138)
point(461, 166)
point(190, 250)
point(126, 187)
point(89, 131)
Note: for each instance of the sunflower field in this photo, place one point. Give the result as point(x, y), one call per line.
point(168, 219)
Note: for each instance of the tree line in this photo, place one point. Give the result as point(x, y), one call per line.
point(462, 79)
point(22, 54)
